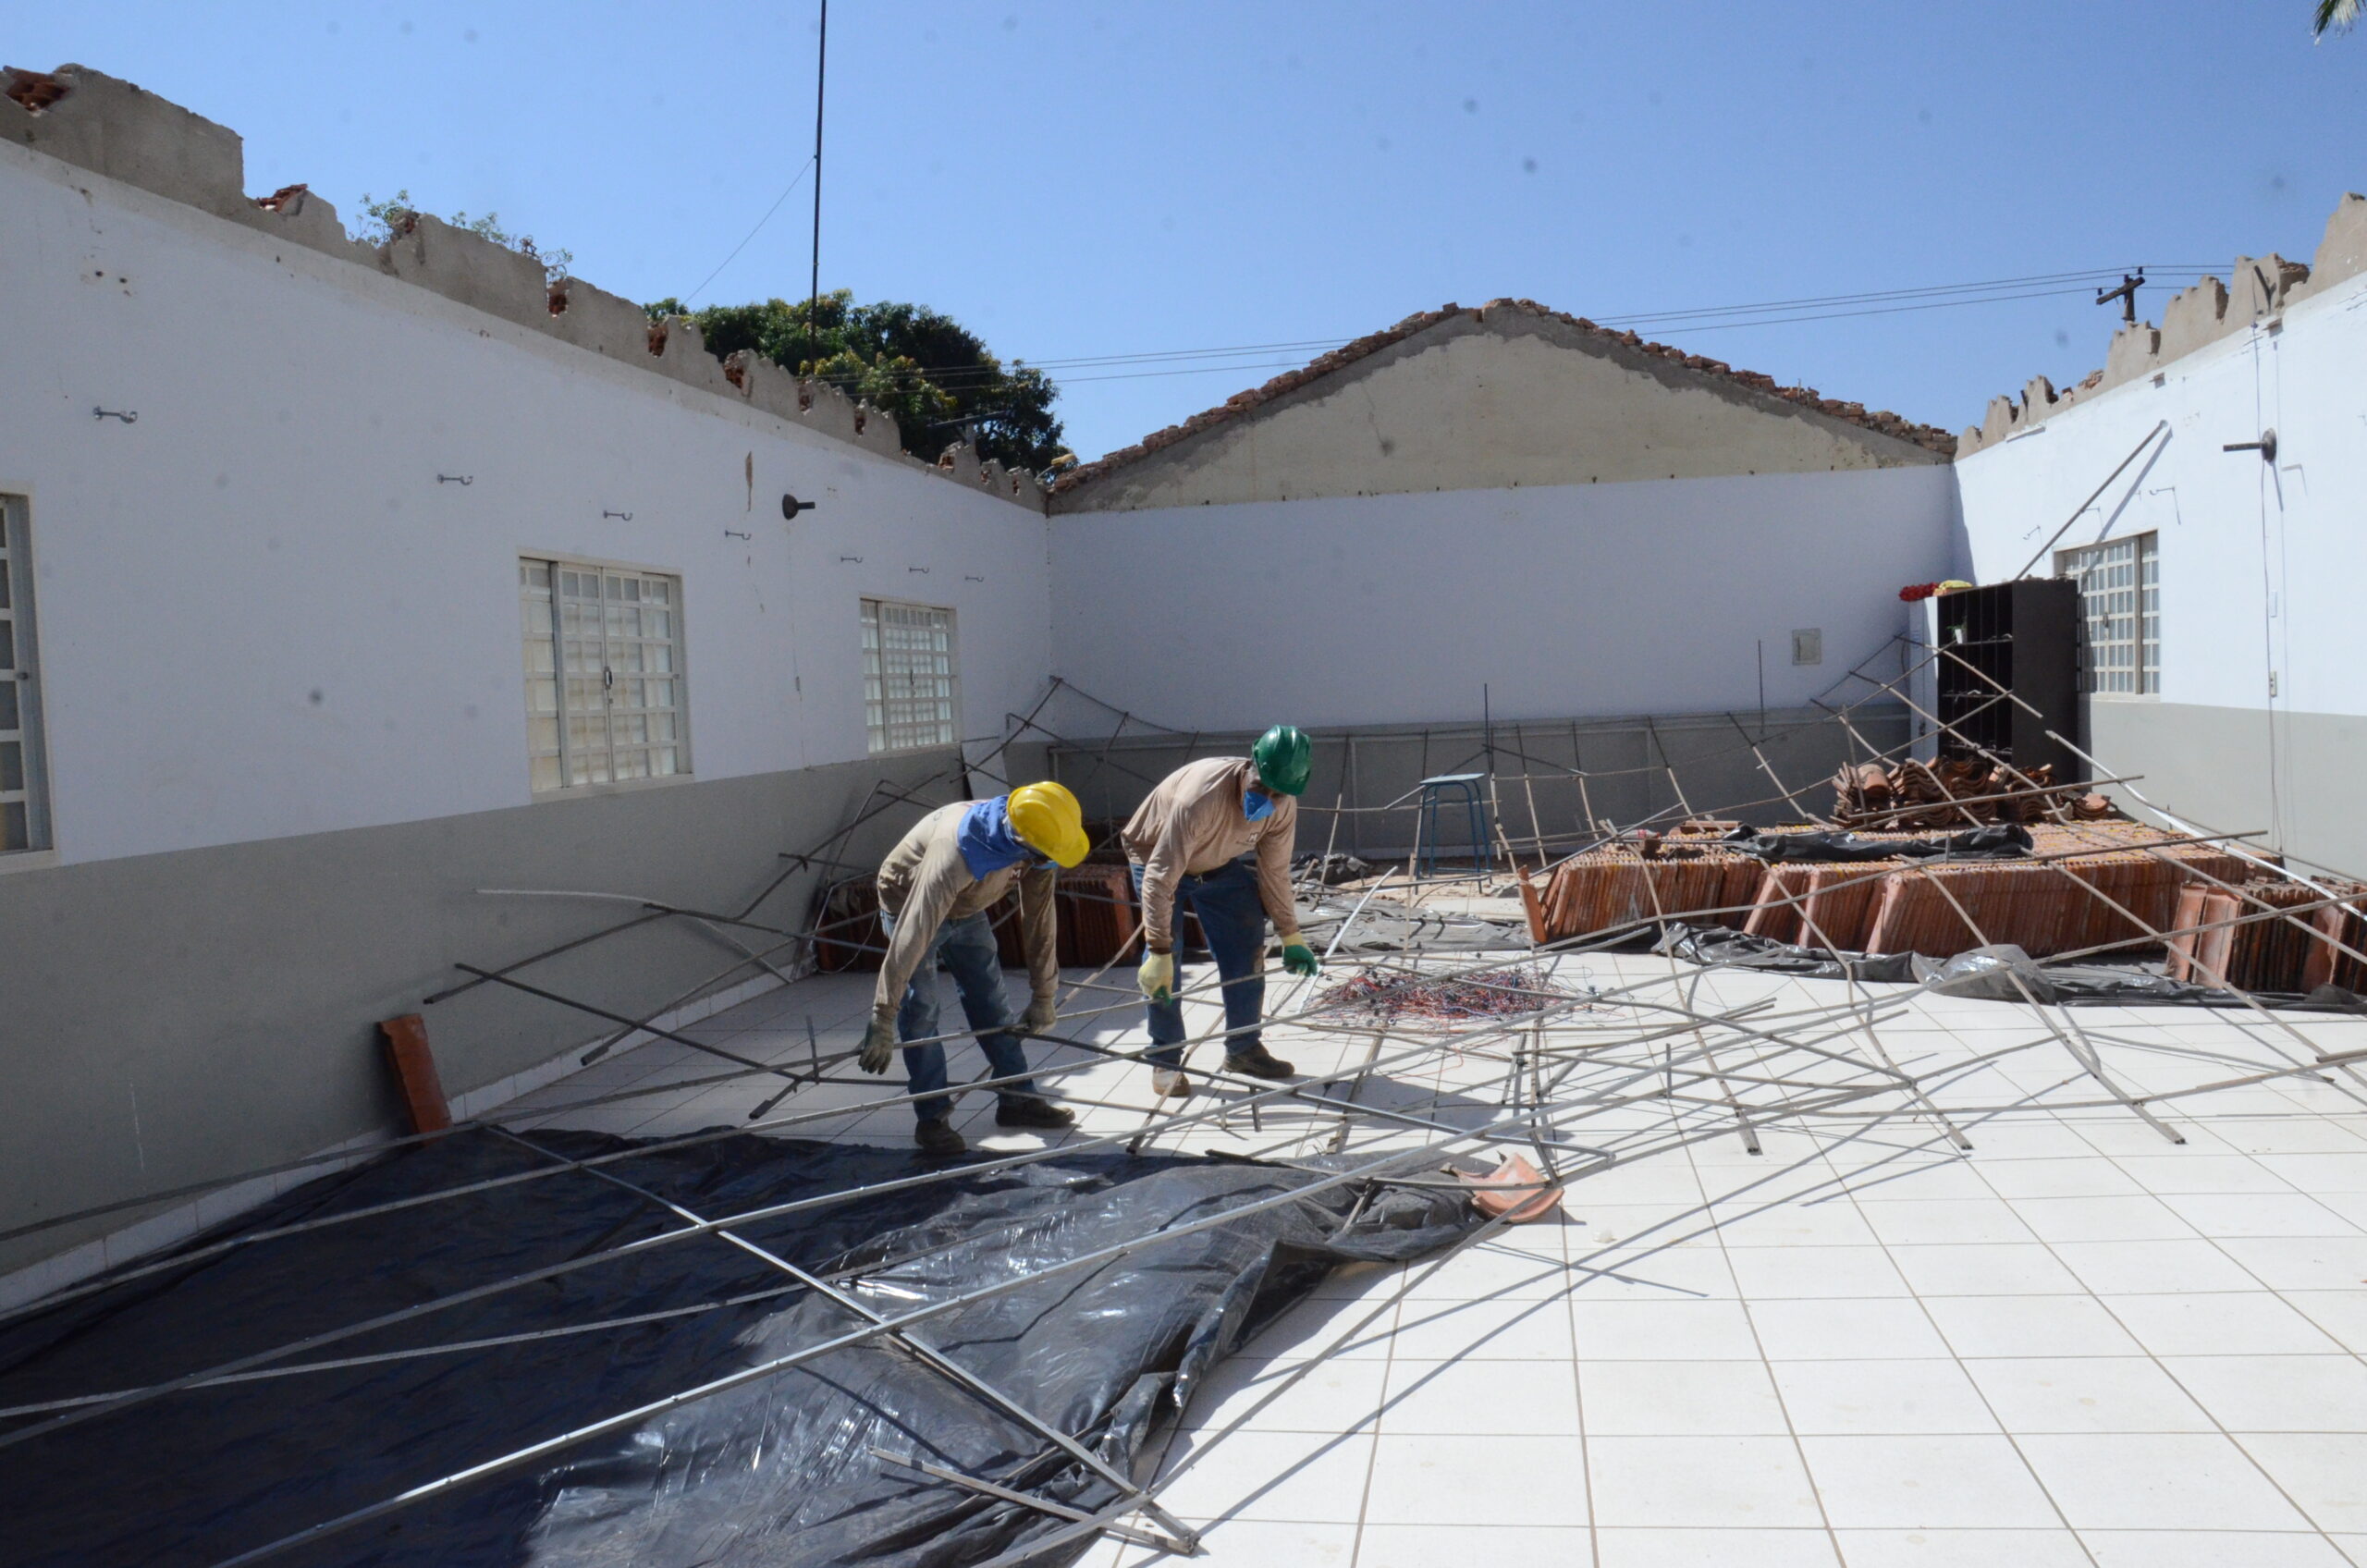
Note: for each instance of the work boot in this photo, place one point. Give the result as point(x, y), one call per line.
point(1169, 1083)
point(1027, 1110)
point(1257, 1063)
point(937, 1139)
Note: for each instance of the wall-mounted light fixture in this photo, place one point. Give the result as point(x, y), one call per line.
point(791, 505)
point(2265, 446)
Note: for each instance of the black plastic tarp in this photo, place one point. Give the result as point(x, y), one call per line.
point(2004, 841)
point(779, 1470)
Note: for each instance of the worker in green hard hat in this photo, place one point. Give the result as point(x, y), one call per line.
point(1215, 837)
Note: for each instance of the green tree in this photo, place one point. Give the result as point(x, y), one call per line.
point(928, 370)
point(2335, 16)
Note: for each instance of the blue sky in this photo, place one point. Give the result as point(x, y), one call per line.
point(1084, 180)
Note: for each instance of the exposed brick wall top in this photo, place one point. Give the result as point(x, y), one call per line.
point(1881, 420)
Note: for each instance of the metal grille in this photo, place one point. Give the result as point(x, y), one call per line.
point(908, 676)
point(604, 674)
point(24, 821)
point(2120, 601)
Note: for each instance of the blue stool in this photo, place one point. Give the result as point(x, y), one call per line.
point(1426, 822)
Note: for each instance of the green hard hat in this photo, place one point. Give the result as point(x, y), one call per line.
point(1285, 757)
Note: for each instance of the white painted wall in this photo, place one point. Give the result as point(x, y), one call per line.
point(272, 525)
point(1594, 600)
point(2262, 568)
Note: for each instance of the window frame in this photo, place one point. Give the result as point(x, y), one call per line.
point(867, 622)
point(555, 637)
point(2142, 614)
point(22, 673)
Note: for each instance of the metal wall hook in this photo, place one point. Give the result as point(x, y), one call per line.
point(735, 534)
point(857, 559)
point(128, 416)
point(627, 516)
point(2265, 446)
point(966, 578)
point(456, 479)
point(921, 570)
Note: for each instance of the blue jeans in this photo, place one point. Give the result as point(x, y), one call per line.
point(1234, 920)
point(966, 947)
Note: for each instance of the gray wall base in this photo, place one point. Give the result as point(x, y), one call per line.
point(187, 1017)
point(2231, 770)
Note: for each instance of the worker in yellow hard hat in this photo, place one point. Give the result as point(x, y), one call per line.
point(935, 888)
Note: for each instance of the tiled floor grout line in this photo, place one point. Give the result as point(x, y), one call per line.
point(1958, 1361)
point(2209, 1415)
point(1766, 1367)
point(1578, 1389)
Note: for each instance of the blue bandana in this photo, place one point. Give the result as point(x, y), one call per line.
point(986, 840)
point(1257, 805)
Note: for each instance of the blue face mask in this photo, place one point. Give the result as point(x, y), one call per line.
point(1257, 805)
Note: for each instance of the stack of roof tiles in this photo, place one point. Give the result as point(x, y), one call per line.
point(2228, 937)
point(1955, 792)
point(2089, 886)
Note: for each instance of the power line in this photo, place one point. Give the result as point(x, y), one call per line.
point(802, 170)
point(1774, 313)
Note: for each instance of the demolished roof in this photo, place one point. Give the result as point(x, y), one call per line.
point(1881, 422)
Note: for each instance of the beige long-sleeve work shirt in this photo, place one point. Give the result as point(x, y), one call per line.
point(1194, 823)
point(925, 882)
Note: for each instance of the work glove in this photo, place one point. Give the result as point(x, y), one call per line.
point(1157, 976)
point(878, 1046)
point(1299, 959)
point(1041, 1016)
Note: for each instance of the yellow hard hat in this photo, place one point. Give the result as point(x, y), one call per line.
point(1047, 818)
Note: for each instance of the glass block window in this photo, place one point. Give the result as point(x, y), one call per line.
point(24, 817)
point(2120, 598)
point(908, 676)
point(604, 674)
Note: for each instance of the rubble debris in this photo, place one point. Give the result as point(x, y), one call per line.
point(1385, 998)
point(1951, 792)
point(1331, 870)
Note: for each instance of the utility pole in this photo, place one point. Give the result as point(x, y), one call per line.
point(2125, 293)
point(814, 292)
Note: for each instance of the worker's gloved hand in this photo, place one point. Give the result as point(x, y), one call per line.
point(878, 1046)
point(1299, 959)
point(1157, 976)
point(1041, 1016)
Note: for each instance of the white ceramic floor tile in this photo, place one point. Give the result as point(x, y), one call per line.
point(1826, 1398)
point(1908, 1483)
point(1663, 1330)
point(2010, 1268)
point(1963, 1549)
point(2325, 1473)
point(2173, 1172)
point(2212, 1549)
point(1679, 1399)
point(2147, 1268)
point(1481, 1399)
point(2342, 1314)
point(1333, 1394)
point(2088, 1393)
point(1846, 1330)
point(2277, 1393)
point(2302, 1263)
point(1774, 1273)
point(2029, 1326)
point(1704, 1482)
point(2150, 1481)
point(1951, 1221)
point(1483, 1330)
point(1254, 1543)
point(2220, 1323)
point(2139, 1219)
point(1461, 1546)
point(1626, 1548)
point(1477, 1481)
point(1308, 1477)
point(2259, 1214)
